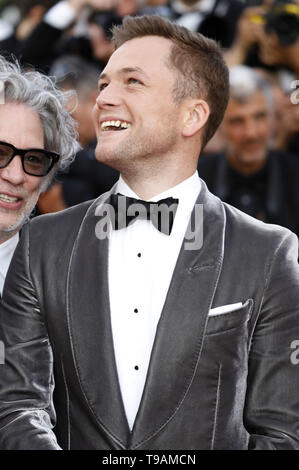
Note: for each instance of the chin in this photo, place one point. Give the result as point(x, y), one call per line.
point(11, 226)
point(250, 159)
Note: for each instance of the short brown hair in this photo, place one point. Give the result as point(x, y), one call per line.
point(202, 70)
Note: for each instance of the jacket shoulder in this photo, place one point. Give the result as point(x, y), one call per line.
point(254, 233)
point(59, 228)
point(53, 221)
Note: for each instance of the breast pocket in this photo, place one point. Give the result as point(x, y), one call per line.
point(224, 322)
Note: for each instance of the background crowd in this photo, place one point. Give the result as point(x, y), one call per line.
point(253, 160)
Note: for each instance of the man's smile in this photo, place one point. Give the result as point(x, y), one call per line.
point(114, 125)
point(9, 201)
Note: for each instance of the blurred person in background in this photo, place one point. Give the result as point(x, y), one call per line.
point(30, 14)
point(267, 36)
point(216, 19)
point(80, 27)
point(286, 126)
point(37, 136)
point(86, 178)
point(279, 47)
point(248, 175)
point(279, 41)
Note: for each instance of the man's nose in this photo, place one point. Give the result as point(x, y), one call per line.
point(251, 129)
point(109, 96)
point(14, 173)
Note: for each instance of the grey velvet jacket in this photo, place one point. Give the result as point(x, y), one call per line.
point(223, 381)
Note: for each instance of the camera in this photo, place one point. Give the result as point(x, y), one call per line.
point(282, 17)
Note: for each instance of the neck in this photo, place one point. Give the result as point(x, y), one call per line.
point(4, 236)
point(148, 184)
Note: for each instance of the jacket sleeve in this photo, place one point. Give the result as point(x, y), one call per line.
point(27, 415)
point(271, 413)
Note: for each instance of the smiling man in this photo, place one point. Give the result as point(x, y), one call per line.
point(31, 111)
point(134, 337)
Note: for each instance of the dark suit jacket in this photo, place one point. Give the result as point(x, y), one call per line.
point(225, 381)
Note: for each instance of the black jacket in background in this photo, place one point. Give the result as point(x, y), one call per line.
point(86, 178)
point(275, 188)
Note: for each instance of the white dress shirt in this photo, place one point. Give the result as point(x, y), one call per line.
point(6, 251)
point(140, 267)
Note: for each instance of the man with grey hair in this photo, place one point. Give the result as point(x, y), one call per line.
point(249, 175)
point(37, 136)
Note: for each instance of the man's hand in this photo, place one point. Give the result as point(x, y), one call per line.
point(250, 27)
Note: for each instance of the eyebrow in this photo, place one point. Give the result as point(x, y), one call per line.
point(124, 71)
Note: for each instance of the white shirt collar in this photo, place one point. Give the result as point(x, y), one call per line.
point(6, 252)
point(185, 190)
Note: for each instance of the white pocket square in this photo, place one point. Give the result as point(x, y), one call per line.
point(225, 309)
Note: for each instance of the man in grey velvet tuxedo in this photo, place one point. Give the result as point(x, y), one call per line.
point(139, 338)
point(31, 110)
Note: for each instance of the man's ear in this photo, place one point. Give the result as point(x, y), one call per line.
point(196, 116)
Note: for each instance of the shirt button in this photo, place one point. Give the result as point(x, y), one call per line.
point(136, 310)
point(139, 255)
point(136, 368)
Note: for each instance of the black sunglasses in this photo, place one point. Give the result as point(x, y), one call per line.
point(35, 162)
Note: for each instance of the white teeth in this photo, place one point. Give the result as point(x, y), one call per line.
point(6, 198)
point(119, 124)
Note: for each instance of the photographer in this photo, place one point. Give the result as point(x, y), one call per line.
point(79, 27)
point(268, 36)
point(30, 14)
point(279, 41)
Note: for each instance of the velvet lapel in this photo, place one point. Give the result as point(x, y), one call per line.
point(180, 331)
point(90, 328)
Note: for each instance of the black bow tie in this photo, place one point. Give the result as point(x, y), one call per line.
point(129, 209)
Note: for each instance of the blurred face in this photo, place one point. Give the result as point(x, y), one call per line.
point(246, 129)
point(21, 127)
point(271, 52)
point(135, 116)
point(81, 108)
point(102, 47)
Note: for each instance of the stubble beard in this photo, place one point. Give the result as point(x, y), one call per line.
point(133, 155)
point(22, 217)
